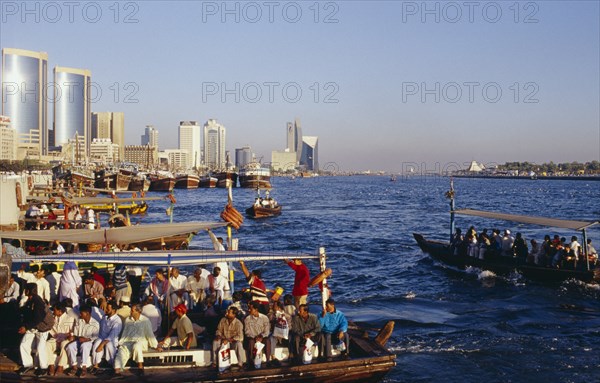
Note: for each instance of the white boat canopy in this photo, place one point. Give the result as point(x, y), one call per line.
point(172, 258)
point(115, 235)
point(541, 221)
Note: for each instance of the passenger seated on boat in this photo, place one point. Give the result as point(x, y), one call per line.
point(471, 239)
point(92, 289)
point(280, 329)
point(560, 258)
point(496, 241)
point(178, 289)
point(535, 256)
point(196, 287)
point(57, 339)
point(520, 249)
point(229, 330)
point(13, 292)
point(257, 201)
point(256, 329)
point(305, 325)
point(150, 311)
point(137, 337)
point(124, 310)
point(120, 283)
point(288, 305)
point(159, 288)
point(334, 324)
point(85, 333)
point(507, 244)
point(546, 251)
point(576, 248)
point(239, 304)
point(258, 289)
point(182, 326)
point(105, 346)
point(484, 244)
point(592, 252)
point(217, 284)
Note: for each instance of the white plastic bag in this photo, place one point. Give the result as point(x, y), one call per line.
point(257, 354)
point(307, 355)
point(282, 327)
point(224, 357)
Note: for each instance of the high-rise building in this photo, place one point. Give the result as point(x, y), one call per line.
point(189, 139)
point(214, 145)
point(177, 158)
point(282, 161)
point(150, 136)
point(72, 106)
point(8, 143)
point(310, 153)
point(294, 138)
point(110, 125)
point(24, 99)
point(243, 156)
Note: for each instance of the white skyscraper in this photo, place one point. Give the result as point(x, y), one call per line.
point(189, 139)
point(214, 145)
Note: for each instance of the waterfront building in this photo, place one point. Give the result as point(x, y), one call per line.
point(283, 161)
point(144, 155)
point(310, 153)
point(214, 145)
point(189, 139)
point(110, 125)
point(8, 142)
point(72, 107)
point(294, 138)
point(150, 136)
point(243, 156)
point(24, 99)
point(177, 159)
point(104, 150)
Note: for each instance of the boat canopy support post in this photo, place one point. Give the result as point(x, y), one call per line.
point(323, 265)
point(450, 195)
point(585, 249)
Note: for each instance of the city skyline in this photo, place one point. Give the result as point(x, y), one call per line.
point(383, 84)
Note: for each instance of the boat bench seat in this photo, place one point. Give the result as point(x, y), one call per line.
point(199, 357)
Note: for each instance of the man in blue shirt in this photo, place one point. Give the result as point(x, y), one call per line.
point(334, 323)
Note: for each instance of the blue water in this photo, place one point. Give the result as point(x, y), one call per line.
point(451, 325)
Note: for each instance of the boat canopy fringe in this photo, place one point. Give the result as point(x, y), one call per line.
point(115, 235)
point(541, 221)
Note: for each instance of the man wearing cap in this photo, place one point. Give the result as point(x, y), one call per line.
point(186, 337)
point(124, 310)
point(333, 324)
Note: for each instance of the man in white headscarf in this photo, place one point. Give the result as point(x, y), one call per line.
point(70, 281)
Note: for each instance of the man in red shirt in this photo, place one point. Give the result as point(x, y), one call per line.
point(301, 280)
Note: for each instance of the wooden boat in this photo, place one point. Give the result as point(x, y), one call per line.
point(187, 181)
point(207, 182)
point(258, 212)
point(368, 359)
point(161, 182)
point(112, 180)
point(254, 176)
point(226, 177)
point(139, 183)
point(503, 265)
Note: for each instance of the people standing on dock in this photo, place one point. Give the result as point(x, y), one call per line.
point(334, 325)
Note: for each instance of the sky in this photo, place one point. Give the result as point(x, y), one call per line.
point(383, 84)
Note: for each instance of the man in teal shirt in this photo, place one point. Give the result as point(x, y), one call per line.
point(334, 324)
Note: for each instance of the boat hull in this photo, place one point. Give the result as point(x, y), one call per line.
point(255, 182)
point(162, 184)
point(139, 184)
point(504, 265)
point(207, 182)
point(263, 212)
point(223, 177)
point(187, 182)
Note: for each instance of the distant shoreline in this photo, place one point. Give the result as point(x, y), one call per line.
point(536, 178)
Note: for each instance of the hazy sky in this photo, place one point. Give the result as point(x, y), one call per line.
point(382, 83)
